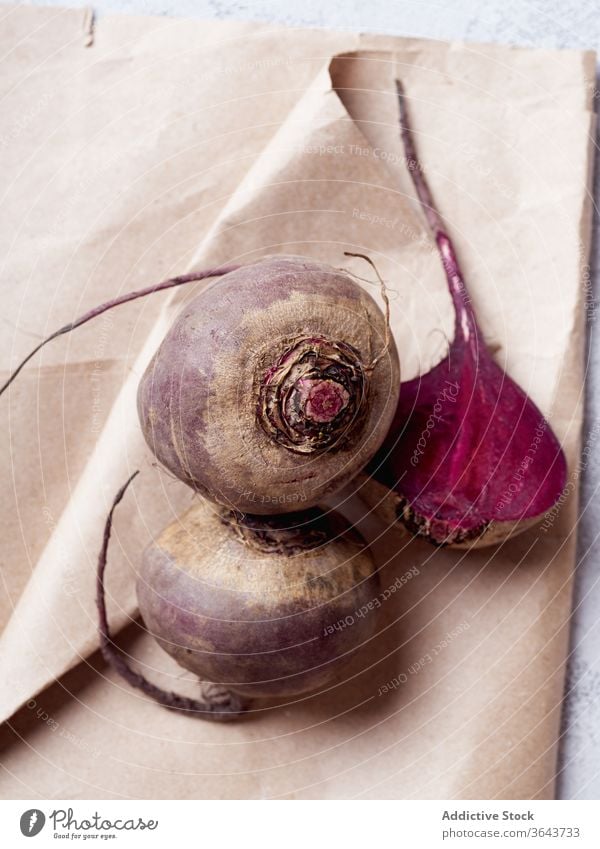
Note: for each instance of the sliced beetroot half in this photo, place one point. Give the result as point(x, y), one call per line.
point(469, 458)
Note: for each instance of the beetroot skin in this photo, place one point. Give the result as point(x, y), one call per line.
point(273, 388)
point(469, 459)
point(259, 604)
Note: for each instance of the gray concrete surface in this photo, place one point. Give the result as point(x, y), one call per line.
point(554, 23)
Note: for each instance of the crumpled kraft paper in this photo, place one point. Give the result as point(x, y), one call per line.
point(170, 143)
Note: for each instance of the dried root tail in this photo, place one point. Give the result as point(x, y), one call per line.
point(171, 283)
point(224, 707)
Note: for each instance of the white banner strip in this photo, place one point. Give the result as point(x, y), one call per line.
point(301, 824)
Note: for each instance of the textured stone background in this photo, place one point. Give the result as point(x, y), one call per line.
point(548, 23)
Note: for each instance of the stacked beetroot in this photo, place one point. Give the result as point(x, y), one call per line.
point(273, 389)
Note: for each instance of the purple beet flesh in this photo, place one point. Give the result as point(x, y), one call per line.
point(469, 456)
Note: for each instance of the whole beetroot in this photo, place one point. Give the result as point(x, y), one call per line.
point(263, 606)
point(273, 388)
